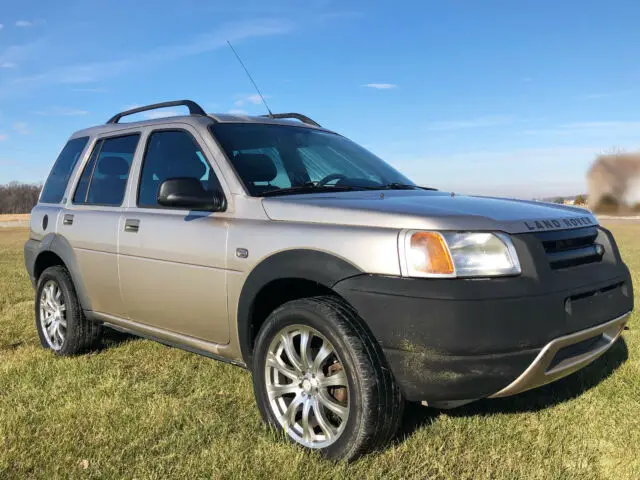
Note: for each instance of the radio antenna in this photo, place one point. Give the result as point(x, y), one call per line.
point(250, 78)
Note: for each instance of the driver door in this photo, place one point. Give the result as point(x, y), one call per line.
point(172, 261)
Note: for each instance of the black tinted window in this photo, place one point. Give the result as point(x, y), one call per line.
point(54, 188)
point(172, 154)
point(104, 179)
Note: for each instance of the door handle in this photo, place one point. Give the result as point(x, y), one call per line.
point(67, 219)
point(131, 225)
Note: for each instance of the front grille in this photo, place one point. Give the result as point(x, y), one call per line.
point(570, 248)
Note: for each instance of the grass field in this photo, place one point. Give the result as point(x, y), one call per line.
point(14, 217)
point(137, 409)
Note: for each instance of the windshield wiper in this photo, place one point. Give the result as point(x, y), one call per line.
point(309, 188)
point(398, 186)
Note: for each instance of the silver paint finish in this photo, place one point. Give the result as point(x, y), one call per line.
point(35, 220)
point(179, 277)
point(173, 272)
point(171, 338)
point(419, 210)
point(93, 235)
point(539, 373)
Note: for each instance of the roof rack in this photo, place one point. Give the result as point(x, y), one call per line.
point(297, 116)
point(194, 109)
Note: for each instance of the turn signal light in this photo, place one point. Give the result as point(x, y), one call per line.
point(428, 253)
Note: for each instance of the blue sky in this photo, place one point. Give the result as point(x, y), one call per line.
point(479, 96)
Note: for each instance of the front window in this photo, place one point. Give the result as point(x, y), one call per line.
point(277, 159)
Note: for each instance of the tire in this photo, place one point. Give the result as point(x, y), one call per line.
point(60, 321)
point(372, 400)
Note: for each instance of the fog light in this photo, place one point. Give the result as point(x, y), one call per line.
point(567, 306)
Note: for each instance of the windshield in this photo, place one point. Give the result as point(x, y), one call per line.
point(290, 159)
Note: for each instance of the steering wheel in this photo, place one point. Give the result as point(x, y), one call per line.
point(330, 177)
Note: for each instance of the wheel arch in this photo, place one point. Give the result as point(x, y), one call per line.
point(56, 250)
point(282, 277)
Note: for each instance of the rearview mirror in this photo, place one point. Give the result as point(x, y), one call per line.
point(188, 193)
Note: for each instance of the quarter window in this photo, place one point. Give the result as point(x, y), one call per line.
point(172, 154)
point(104, 179)
point(56, 184)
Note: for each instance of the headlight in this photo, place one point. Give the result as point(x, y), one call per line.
point(465, 254)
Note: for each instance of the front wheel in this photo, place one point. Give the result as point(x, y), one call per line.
point(320, 377)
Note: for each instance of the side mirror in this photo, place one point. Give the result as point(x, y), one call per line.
point(188, 193)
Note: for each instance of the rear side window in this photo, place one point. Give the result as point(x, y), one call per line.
point(172, 154)
point(56, 184)
point(104, 179)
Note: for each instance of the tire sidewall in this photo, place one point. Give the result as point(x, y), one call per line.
point(329, 324)
point(57, 274)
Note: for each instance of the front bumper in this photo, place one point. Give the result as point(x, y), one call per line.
point(455, 340)
point(565, 355)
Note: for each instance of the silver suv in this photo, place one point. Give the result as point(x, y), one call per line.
point(284, 248)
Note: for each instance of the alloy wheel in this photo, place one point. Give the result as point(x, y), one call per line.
point(307, 386)
point(53, 314)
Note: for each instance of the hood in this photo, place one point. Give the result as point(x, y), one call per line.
point(429, 210)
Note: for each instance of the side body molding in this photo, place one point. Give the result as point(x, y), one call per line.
point(312, 265)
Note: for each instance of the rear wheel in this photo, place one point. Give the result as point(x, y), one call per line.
point(60, 321)
point(320, 377)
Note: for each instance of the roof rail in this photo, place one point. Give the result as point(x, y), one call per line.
point(194, 109)
point(297, 116)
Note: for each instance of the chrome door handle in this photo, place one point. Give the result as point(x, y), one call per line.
point(131, 225)
point(67, 219)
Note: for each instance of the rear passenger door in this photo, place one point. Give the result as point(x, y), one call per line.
point(172, 261)
point(90, 221)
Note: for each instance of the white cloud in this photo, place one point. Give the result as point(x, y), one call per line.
point(380, 86)
point(590, 128)
point(590, 125)
point(13, 55)
point(249, 99)
point(101, 70)
point(237, 111)
point(600, 95)
point(22, 128)
point(77, 74)
point(477, 122)
point(3, 136)
point(61, 112)
point(160, 114)
point(91, 90)
point(24, 24)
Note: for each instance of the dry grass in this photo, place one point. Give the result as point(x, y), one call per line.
point(12, 217)
point(138, 409)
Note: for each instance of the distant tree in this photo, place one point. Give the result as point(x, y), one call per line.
point(636, 207)
point(607, 204)
point(18, 197)
point(559, 200)
point(581, 200)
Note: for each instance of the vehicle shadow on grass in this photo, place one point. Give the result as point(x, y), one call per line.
point(112, 338)
point(417, 416)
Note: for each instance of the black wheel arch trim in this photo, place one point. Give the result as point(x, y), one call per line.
point(312, 265)
point(60, 246)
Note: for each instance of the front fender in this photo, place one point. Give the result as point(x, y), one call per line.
point(316, 266)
